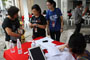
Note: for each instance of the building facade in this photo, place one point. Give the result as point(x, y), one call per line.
point(64, 5)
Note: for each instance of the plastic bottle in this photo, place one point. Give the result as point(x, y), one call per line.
point(12, 50)
point(19, 46)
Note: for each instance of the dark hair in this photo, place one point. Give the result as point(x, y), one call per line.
point(79, 3)
point(44, 12)
point(12, 11)
point(52, 2)
point(77, 43)
point(37, 7)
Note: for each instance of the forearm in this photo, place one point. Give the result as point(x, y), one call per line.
point(14, 34)
point(41, 26)
point(62, 25)
point(62, 22)
point(48, 25)
point(9, 32)
point(31, 25)
point(85, 11)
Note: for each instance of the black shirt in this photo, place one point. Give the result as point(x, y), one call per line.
point(13, 25)
point(39, 20)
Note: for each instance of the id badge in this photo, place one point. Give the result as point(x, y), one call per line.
point(53, 23)
point(35, 29)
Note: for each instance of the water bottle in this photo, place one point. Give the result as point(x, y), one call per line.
point(19, 46)
point(33, 44)
point(12, 50)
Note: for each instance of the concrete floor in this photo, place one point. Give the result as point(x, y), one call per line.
point(64, 38)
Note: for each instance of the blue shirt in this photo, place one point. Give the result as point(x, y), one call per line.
point(54, 16)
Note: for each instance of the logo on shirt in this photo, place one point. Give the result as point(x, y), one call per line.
point(53, 17)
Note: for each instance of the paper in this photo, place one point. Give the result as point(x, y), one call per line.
point(43, 39)
point(51, 48)
point(42, 44)
point(65, 55)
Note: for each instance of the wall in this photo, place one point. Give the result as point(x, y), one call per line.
point(41, 3)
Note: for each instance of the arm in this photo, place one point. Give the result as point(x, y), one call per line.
point(31, 25)
point(47, 24)
point(62, 47)
point(37, 25)
point(80, 12)
point(48, 27)
point(9, 32)
point(61, 17)
point(41, 26)
point(61, 23)
point(85, 11)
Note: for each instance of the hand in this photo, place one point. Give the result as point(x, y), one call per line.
point(62, 47)
point(20, 31)
point(61, 30)
point(35, 25)
point(21, 27)
point(48, 32)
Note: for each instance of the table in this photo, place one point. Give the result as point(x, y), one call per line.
point(15, 56)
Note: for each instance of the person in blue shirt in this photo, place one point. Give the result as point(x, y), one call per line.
point(54, 20)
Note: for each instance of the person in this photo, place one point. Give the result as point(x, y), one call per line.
point(54, 20)
point(38, 22)
point(11, 25)
point(44, 12)
point(77, 46)
point(69, 13)
point(78, 16)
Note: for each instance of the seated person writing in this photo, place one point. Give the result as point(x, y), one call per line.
point(77, 45)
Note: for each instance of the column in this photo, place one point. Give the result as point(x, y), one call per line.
point(64, 8)
point(26, 17)
point(84, 3)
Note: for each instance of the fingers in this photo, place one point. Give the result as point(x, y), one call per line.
point(61, 48)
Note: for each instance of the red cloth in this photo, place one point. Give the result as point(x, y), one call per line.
point(30, 16)
point(23, 18)
point(38, 38)
point(69, 14)
point(15, 56)
point(57, 43)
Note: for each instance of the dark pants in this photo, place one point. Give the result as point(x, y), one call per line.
point(78, 28)
point(55, 35)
